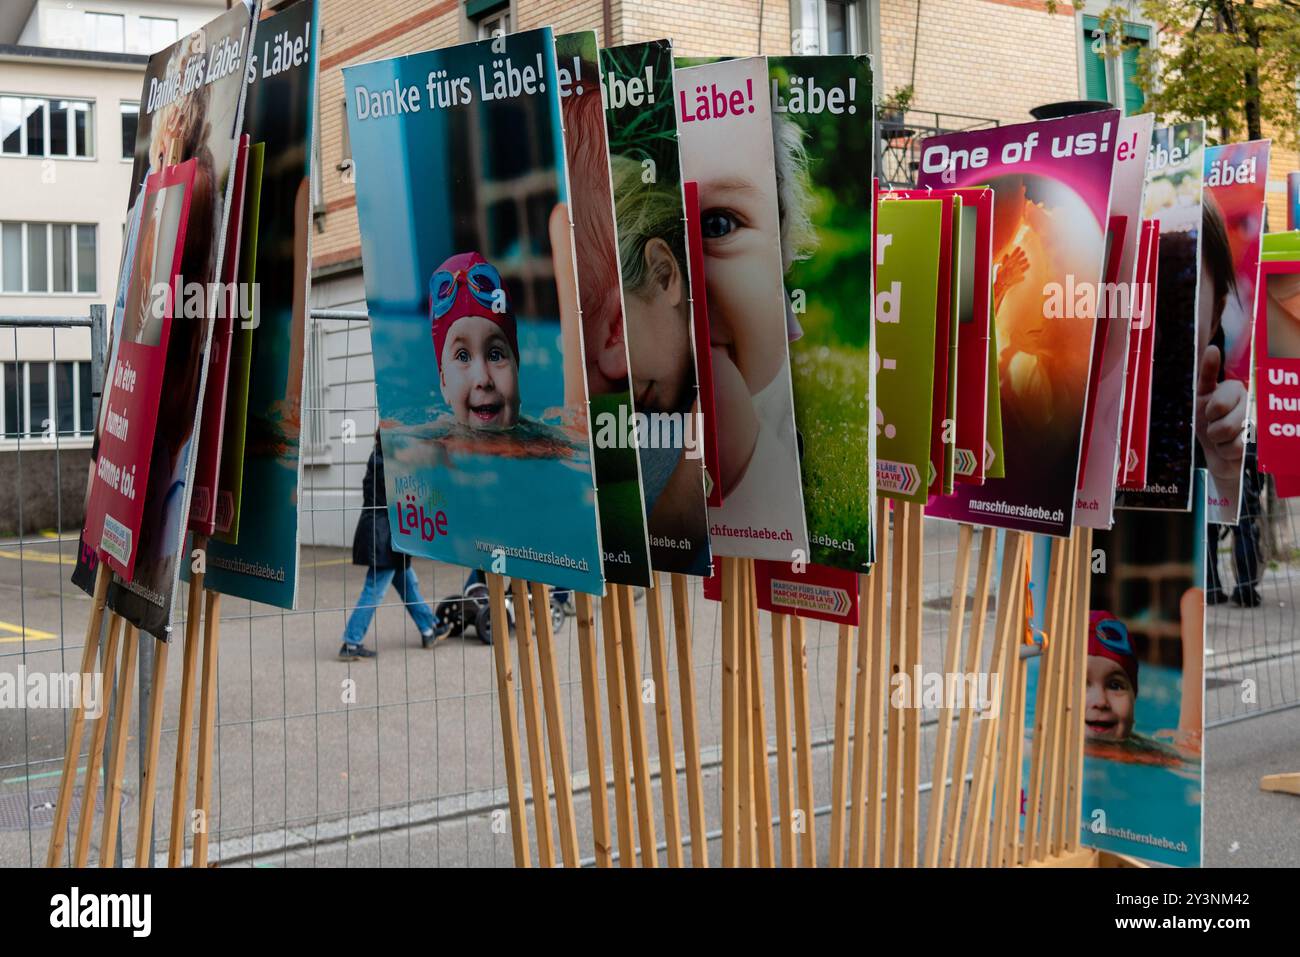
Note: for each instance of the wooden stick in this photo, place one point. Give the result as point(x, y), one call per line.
point(803, 739)
point(117, 756)
point(509, 721)
point(185, 727)
point(784, 771)
point(730, 781)
point(897, 663)
point(618, 727)
point(645, 809)
point(68, 779)
point(877, 685)
point(956, 624)
point(690, 732)
point(207, 728)
point(594, 734)
point(1079, 651)
point(965, 721)
point(744, 713)
point(1043, 703)
point(664, 722)
point(1016, 794)
point(840, 746)
point(81, 853)
point(566, 820)
point(1004, 802)
point(1055, 727)
point(1007, 634)
point(762, 783)
point(861, 722)
point(532, 724)
point(912, 718)
point(151, 736)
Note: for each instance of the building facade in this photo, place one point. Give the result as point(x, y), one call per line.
point(70, 77)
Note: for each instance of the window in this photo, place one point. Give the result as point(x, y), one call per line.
point(106, 32)
point(491, 18)
point(48, 257)
point(39, 399)
point(1103, 75)
point(31, 126)
point(828, 26)
point(154, 33)
point(130, 114)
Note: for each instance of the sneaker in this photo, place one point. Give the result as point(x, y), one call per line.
point(435, 634)
point(1215, 596)
point(1246, 597)
point(355, 652)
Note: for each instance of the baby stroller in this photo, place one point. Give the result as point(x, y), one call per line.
point(472, 608)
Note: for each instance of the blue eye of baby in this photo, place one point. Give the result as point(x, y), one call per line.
point(714, 224)
point(462, 355)
point(496, 355)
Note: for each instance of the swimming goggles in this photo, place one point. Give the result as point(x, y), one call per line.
point(1113, 633)
point(482, 280)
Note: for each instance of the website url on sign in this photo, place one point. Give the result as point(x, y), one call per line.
point(1019, 511)
point(531, 555)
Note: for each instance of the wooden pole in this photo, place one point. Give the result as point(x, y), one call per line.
point(664, 722)
point(1078, 649)
point(1007, 633)
point(840, 746)
point(566, 820)
point(509, 721)
point(877, 689)
point(81, 853)
point(912, 715)
point(594, 734)
point(784, 771)
point(744, 713)
point(645, 808)
point(618, 727)
point(730, 782)
point(965, 721)
point(532, 724)
point(150, 737)
point(185, 726)
point(762, 781)
point(690, 732)
point(898, 658)
point(803, 739)
point(207, 728)
point(68, 778)
point(956, 625)
point(1056, 727)
point(117, 756)
point(1043, 704)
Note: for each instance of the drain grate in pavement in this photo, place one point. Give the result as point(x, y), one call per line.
point(37, 806)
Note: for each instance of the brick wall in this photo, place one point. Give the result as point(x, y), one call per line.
point(985, 58)
point(715, 28)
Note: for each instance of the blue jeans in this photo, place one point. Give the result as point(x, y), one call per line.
point(372, 593)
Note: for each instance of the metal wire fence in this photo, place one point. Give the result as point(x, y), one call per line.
point(397, 760)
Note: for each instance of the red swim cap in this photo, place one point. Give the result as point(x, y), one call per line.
point(1108, 637)
point(468, 285)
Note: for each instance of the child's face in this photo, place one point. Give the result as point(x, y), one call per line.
point(480, 375)
point(1110, 700)
point(659, 318)
point(742, 247)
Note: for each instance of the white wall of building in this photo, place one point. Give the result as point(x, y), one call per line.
point(64, 23)
point(331, 483)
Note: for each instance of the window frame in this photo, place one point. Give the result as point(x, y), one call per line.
point(26, 430)
point(74, 261)
point(72, 104)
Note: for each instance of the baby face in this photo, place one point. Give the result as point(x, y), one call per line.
point(1109, 704)
point(742, 247)
point(480, 375)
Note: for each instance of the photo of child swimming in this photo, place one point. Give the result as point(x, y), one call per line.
point(1143, 694)
point(468, 252)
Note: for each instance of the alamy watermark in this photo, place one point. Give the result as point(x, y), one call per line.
point(55, 689)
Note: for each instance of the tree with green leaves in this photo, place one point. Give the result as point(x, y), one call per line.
point(1232, 63)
